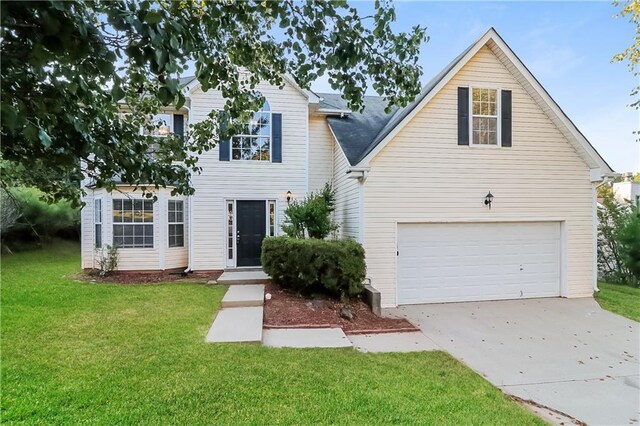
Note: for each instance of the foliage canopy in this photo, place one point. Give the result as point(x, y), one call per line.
point(69, 69)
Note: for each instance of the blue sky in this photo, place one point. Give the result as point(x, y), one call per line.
point(568, 46)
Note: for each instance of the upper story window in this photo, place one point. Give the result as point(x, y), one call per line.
point(133, 223)
point(484, 123)
point(254, 141)
point(163, 125)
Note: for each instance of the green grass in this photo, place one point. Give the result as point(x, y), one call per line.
point(621, 299)
point(75, 352)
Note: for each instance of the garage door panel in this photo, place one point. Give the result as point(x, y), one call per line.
point(477, 261)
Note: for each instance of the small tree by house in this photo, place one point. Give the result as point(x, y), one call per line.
point(311, 217)
point(618, 253)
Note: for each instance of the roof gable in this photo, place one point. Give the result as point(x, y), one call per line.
point(390, 125)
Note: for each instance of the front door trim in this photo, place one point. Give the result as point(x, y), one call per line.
point(230, 229)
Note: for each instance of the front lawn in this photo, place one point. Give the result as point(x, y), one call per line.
point(621, 299)
point(75, 352)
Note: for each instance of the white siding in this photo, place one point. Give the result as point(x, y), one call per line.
point(175, 257)
point(347, 212)
point(87, 241)
point(159, 257)
point(321, 143)
point(424, 176)
point(221, 180)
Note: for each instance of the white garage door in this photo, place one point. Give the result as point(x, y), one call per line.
point(477, 261)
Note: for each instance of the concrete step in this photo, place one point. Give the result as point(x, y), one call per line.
point(305, 338)
point(414, 341)
point(243, 277)
point(244, 295)
point(237, 325)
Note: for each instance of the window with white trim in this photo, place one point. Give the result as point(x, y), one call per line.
point(176, 223)
point(484, 113)
point(254, 141)
point(133, 223)
point(230, 237)
point(272, 219)
point(97, 220)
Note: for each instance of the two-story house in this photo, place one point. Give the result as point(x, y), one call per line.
point(480, 189)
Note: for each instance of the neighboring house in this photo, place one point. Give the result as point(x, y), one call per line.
point(411, 186)
point(627, 191)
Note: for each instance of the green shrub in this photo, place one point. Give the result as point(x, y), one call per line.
point(39, 220)
point(332, 267)
point(628, 237)
point(312, 216)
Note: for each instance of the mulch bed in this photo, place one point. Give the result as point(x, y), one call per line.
point(289, 310)
point(125, 277)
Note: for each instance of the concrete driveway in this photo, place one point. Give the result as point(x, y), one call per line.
point(567, 354)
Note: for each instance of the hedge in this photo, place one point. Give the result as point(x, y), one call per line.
point(309, 266)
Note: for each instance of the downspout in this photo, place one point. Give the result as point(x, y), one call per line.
point(190, 248)
point(190, 213)
point(93, 226)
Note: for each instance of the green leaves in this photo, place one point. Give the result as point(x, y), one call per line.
point(80, 79)
point(153, 17)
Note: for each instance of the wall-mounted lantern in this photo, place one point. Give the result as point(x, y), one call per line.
point(289, 196)
point(488, 199)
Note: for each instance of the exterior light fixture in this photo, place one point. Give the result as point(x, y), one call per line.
point(488, 199)
point(289, 196)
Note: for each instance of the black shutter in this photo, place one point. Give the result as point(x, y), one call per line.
point(178, 125)
point(505, 119)
point(223, 144)
point(276, 138)
point(463, 116)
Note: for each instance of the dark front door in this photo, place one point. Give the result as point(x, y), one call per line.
point(250, 231)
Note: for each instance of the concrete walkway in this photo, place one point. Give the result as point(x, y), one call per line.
point(240, 318)
point(392, 342)
point(239, 324)
point(306, 338)
point(244, 295)
point(242, 276)
point(567, 354)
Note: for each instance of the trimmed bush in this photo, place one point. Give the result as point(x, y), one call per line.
point(332, 267)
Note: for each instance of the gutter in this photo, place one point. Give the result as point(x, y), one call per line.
point(190, 213)
point(358, 173)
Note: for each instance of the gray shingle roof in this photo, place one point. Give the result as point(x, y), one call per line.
point(359, 133)
point(186, 80)
point(356, 130)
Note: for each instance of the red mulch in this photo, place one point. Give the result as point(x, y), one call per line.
point(152, 277)
point(289, 310)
